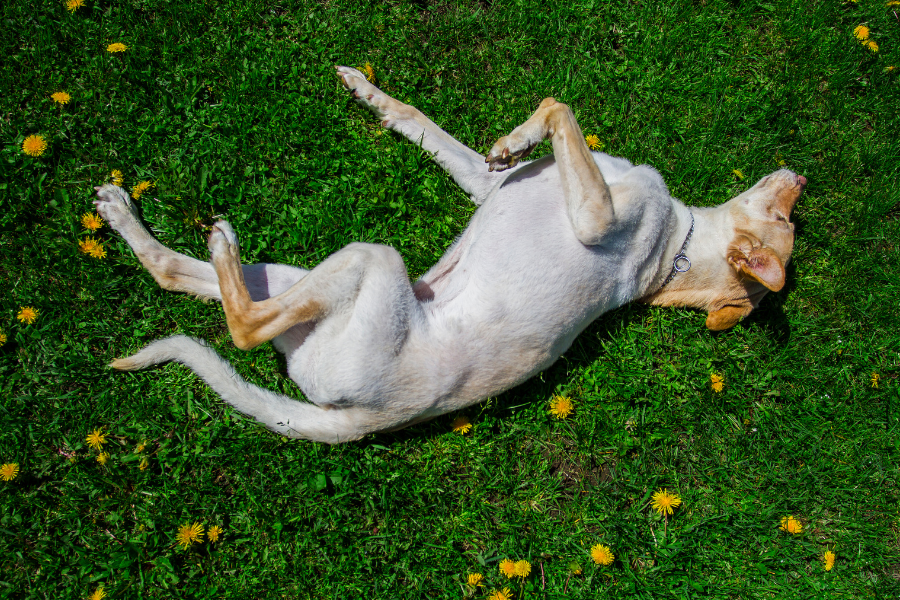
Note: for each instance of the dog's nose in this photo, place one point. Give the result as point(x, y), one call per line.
point(801, 180)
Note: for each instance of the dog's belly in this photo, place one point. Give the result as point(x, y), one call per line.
point(511, 296)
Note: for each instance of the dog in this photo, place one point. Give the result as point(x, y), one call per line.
point(555, 243)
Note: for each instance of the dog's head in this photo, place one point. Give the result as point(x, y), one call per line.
point(758, 238)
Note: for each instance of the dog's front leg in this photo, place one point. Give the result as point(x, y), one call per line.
point(587, 196)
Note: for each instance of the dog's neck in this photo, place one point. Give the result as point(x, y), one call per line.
point(706, 248)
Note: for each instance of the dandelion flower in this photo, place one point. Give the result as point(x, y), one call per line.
point(890, 69)
point(117, 47)
point(575, 567)
point(475, 579)
point(2, 338)
point(874, 380)
point(96, 438)
point(189, 533)
point(99, 593)
point(871, 45)
point(738, 173)
point(861, 32)
point(140, 447)
point(717, 382)
point(117, 178)
point(213, 534)
point(72, 6)
point(461, 425)
point(523, 568)
point(593, 142)
point(91, 221)
point(791, 525)
point(103, 458)
point(828, 558)
point(370, 72)
point(144, 464)
point(27, 315)
point(893, 3)
point(34, 145)
point(602, 555)
point(92, 247)
point(61, 97)
point(140, 188)
point(503, 594)
point(561, 407)
point(664, 502)
point(9, 471)
point(508, 568)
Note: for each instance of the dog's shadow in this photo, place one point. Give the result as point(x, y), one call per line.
point(586, 350)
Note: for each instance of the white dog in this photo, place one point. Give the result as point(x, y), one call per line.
point(555, 243)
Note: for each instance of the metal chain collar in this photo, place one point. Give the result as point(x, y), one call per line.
point(678, 263)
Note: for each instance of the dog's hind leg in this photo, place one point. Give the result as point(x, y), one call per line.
point(178, 272)
point(462, 163)
point(330, 289)
point(587, 195)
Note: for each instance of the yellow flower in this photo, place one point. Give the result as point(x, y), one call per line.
point(461, 425)
point(99, 593)
point(875, 378)
point(523, 568)
point(72, 6)
point(370, 72)
point(593, 142)
point(91, 221)
point(791, 525)
point(738, 173)
point(103, 458)
point(2, 338)
point(189, 534)
point(503, 594)
point(828, 558)
point(891, 68)
point(9, 471)
point(144, 464)
point(213, 534)
point(140, 447)
point(27, 315)
point(34, 145)
point(575, 567)
point(117, 47)
point(475, 579)
point(508, 568)
point(664, 502)
point(717, 382)
point(92, 247)
point(893, 3)
point(96, 438)
point(602, 555)
point(561, 407)
point(871, 45)
point(117, 177)
point(861, 32)
point(61, 97)
point(140, 188)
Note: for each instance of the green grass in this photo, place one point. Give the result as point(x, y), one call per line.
point(232, 108)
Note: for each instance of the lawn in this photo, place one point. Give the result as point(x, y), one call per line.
point(232, 109)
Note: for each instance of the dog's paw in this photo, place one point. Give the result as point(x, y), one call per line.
point(222, 239)
point(508, 151)
point(114, 205)
point(385, 108)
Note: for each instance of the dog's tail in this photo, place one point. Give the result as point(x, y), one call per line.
point(279, 413)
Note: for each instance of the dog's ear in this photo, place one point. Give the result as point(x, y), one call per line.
point(726, 317)
point(750, 258)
